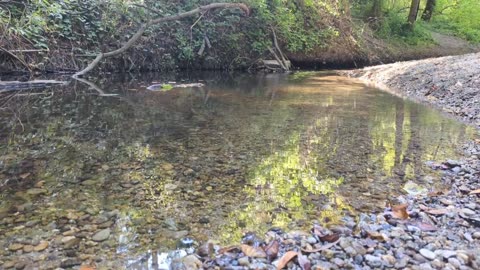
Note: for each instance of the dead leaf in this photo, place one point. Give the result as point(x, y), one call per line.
point(24, 175)
point(434, 211)
point(476, 191)
point(330, 237)
point(324, 247)
point(254, 252)
point(304, 262)
point(228, 249)
point(400, 211)
point(377, 236)
point(272, 250)
point(287, 257)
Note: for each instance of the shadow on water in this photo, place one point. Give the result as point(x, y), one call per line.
point(245, 153)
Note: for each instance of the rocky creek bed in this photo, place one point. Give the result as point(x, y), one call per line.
point(436, 228)
point(439, 229)
point(449, 83)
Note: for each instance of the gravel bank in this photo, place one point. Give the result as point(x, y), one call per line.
point(451, 83)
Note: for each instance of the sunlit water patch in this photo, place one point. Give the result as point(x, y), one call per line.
point(124, 176)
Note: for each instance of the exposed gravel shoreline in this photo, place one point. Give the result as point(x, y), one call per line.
point(450, 83)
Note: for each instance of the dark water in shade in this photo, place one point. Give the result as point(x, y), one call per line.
point(245, 153)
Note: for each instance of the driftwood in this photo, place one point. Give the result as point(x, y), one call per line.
point(6, 86)
point(156, 87)
point(145, 26)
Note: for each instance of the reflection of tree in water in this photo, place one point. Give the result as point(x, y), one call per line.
point(268, 156)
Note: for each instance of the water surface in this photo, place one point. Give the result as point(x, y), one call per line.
point(244, 153)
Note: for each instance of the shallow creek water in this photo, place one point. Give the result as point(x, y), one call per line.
point(244, 153)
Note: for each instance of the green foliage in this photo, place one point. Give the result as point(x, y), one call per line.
point(458, 17)
point(394, 27)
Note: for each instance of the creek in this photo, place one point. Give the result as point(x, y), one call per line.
point(127, 177)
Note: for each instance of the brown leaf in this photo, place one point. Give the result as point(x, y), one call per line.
point(255, 252)
point(434, 211)
point(324, 247)
point(377, 236)
point(400, 211)
point(228, 249)
point(330, 237)
point(287, 257)
point(272, 249)
point(24, 175)
point(476, 191)
point(304, 262)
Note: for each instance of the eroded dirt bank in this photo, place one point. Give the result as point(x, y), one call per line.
point(451, 83)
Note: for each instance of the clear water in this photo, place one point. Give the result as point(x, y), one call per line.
point(244, 153)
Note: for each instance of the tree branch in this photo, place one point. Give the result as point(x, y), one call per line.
point(144, 26)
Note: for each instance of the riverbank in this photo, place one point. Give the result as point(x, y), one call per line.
point(425, 229)
point(449, 83)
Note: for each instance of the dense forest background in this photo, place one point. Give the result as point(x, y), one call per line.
point(47, 35)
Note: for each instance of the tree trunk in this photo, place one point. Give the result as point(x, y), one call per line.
point(428, 12)
point(412, 15)
point(376, 11)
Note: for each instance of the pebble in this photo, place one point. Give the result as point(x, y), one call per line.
point(41, 246)
point(427, 254)
point(15, 247)
point(101, 235)
point(244, 261)
point(373, 261)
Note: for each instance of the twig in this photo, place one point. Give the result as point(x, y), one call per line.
point(17, 58)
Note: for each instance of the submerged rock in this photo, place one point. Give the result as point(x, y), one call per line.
point(101, 235)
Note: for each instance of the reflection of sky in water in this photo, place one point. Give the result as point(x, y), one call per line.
point(244, 153)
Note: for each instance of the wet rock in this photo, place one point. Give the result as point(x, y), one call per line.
point(101, 235)
point(70, 262)
point(27, 248)
point(427, 254)
point(204, 220)
point(190, 262)
point(41, 246)
point(15, 247)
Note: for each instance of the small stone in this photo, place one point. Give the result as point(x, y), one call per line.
point(438, 264)
point(468, 212)
point(311, 240)
point(204, 220)
point(373, 261)
point(243, 261)
point(427, 254)
point(389, 259)
point(476, 235)
point(446, 253)
point(41, 246)
point(27, 248)
point(446, 201)
point(9, 264)
point(455, 263)
point(101, 235)
point(67, 239)
point(15, 247)
point(20, 265)
point(70, 263)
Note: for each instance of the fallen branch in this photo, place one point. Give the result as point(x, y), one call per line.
point(16, 58)
point(146, 25)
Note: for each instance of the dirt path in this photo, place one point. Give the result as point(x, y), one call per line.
point(452, 42)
